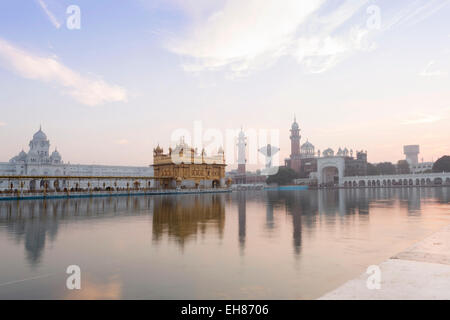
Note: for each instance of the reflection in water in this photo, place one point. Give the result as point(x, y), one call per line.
point(304, 231)
point(37, 221)
point(183, 217)
point(242, 202)
point(270, 225)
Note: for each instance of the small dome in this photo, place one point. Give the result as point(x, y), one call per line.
point(55, 155)
point(328, 152)
point(40, 135)
point(307, 145)
point(294, 126)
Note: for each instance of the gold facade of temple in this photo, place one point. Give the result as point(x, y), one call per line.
point(183, 164)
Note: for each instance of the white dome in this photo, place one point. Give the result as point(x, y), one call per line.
point(55, 154)
point(40, 135)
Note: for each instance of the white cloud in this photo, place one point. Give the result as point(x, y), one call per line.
point(423, 119)
point(246, 35)
point(49, 14)
point(414, 13)
point(428, 71)
point(242, 36)
point(84, 89)
point(122, 141)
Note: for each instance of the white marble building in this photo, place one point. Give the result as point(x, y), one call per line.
point(39, 162)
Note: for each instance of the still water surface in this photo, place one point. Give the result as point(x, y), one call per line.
point(241, 245)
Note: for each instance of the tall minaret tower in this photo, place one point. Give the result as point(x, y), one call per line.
point(242, 143)
point(295, 139)
point(295, 159)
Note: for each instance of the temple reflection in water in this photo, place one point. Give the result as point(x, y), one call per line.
point(182, 219)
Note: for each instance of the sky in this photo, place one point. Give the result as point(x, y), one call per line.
point(366, 75)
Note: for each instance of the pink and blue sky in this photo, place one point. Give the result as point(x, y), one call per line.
point(371, 75)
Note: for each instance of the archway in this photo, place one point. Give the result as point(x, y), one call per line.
point(32, 185)
point(330, 176)
point(437, 181)
point(45, 184)
point(216, 184)
point(330, 171)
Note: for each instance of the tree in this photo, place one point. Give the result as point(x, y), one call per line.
point(403, 167)
point(386, 168)
point(284, 176)
point(372, 170)
point(442, 164)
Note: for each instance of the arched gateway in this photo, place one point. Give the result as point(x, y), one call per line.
point(330, 170)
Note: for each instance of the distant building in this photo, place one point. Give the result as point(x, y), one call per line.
point(332, 168)
point(247, 178)
point(242, 143)
point(356, 166)
point(412, 154)
point(39, 162)
point(412, 157)
point(184, 167)
point(308, 162)
point(295, 159)
point(421, 167)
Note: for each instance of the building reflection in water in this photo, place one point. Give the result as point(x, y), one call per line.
point(35, 223)
point(270, 223)
point(242, 217)
point(184, 217)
